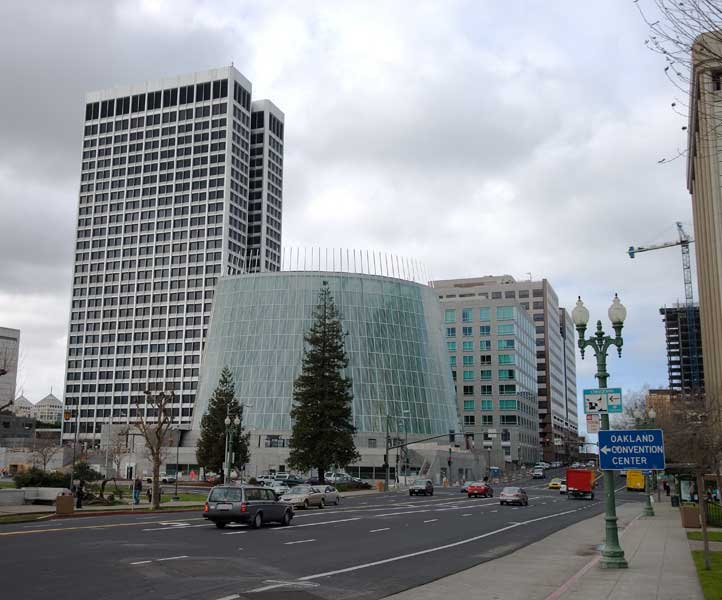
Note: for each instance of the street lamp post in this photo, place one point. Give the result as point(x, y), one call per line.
point(645, 419)
point(229, 446)
point(405, 412)
point(612, 554)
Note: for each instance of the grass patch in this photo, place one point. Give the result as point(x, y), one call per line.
point(185, 497)
point(714, 536)
point(24, 518)
point(7, 484)
point(711, 580)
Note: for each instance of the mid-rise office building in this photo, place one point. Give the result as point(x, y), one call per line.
point(704, 153)
point(181, 182)
point(9, 356)
point(684, 348)
point(492, 356)
point(554, 351)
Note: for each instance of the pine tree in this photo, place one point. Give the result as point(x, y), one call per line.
point(322, 418)
point(211, 447)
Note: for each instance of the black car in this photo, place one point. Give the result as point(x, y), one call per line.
point(421, 487)
point(245, 504)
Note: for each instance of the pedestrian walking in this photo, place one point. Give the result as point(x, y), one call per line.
point(137, 489)
point(79, 494)
point(149, 495)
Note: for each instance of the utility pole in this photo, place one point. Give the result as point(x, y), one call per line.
point(386, 456)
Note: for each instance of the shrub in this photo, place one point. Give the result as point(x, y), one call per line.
point(253, 481)
point(85, 472)
point(353, 486)
point(35, 477)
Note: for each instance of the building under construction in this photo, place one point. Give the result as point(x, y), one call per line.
point(684, 351)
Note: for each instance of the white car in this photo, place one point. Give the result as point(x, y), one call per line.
point(266, 480)
point(279, 488)
point(538, 474)
point(563, 487)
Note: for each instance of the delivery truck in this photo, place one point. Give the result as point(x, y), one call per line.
point(635, 481)
point(580, 483)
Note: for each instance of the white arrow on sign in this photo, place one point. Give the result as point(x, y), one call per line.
point(605, 449)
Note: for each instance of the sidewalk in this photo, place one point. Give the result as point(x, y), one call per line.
point(564, 566)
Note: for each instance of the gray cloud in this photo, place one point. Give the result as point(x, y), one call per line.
point(507, 138)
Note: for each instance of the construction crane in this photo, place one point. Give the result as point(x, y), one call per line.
point(684, 241)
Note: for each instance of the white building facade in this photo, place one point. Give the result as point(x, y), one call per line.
point(181, 182)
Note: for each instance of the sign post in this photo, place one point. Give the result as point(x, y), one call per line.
point(641, 449)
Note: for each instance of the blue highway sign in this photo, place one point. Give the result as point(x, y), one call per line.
point(640, 449)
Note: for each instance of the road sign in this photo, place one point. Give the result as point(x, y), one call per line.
point(592, 423)
point(601, 401)
point(640, 449)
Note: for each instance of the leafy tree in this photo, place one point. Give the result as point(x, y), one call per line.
point(85, 472)
point(322, 419)
point(211, 447)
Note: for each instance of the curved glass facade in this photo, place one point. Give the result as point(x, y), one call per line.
point(397, 358)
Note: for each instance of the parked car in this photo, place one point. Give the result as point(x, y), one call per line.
point(304, 496)
point(513, 495)
point(576, 465)
point(265, 480)
point(279, 488)
point(253, 505)
point(555, 483)
point(312, 481)
point(163, 479)
point(289, 479)
point(421, 487)
point(337, 478)
point(556, 464)
point(538, 474)
point(477, 489)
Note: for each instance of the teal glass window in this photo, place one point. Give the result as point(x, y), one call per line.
point(468, 346)
point(485, 330)
point(506, 359)
point(466, 315)
point(487, 419)
point(504, 313)
point(484, 344)
point(485, 390)
point(450, 315)
point(484, 313)
point(468, 405)
point(451, 346)
point(508, 405)
point(468, 361)
point(451, 332)
point(468, 375)
point(487, 405)
point(467, 331)
point(452, 361)
point(505, 329)
point(485, 374)
point(507, 389)
point(507, 374)
point(505, 344)
point(508, 420)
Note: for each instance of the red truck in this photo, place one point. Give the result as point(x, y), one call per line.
point(580, 483)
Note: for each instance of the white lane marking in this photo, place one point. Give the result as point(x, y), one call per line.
point(299, 542)
point(431, 520)
point(494, 511)
point(435, 549)
point(466, 515)
point(141, 562)
point(234, 532)
point(176, 528)
point(314, 524)
point(172, 558)
point(382, 529)
point(231, 597)
point(277, 584)
point(407, 512)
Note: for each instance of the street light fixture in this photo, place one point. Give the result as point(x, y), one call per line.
point(229, 446)
point(612, 554)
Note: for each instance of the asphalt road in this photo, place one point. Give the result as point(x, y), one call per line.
point(367, 548)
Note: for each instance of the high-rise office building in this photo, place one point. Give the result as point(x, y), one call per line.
point(684, 363)
point(181, 182)
point(9, 356)
point(704, 178)
point(554, 346)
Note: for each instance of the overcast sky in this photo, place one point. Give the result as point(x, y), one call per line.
point(477, 137)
